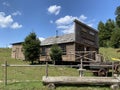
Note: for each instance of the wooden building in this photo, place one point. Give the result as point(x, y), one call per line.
point(85, 38)
point(17, 52)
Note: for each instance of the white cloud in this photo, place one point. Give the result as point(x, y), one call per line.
point(63, 27)
point(69, 19)
point(6, 21)
point(16, 13)
point(6, 4)
point(54, 9)
point(82, 17)
point(16, 25)
point(65, 20)
point(69, 29)
point(41, 38)
point(66, 23)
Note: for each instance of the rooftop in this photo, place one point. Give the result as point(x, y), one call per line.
point(60, 39)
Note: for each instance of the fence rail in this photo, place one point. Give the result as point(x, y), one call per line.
point(14, 65)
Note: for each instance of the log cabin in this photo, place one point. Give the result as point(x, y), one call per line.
point(84, 38)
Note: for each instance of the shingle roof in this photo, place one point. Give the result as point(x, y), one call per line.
point(17, 43)
point(60, 39)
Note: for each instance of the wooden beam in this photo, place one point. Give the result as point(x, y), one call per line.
point(5, 73)
point(80, 80)
point(15, 65)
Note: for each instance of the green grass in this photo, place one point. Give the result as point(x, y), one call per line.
point(36, 73)
point(109, 53)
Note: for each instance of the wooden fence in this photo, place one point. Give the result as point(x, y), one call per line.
point(6, 65)
point(80, 66)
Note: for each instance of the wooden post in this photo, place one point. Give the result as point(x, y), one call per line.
point(46, 69)
point(81, 64)
point(112, 69)
point(81, 70)
point(5, 73)
point(95, 56)
point(70, 54)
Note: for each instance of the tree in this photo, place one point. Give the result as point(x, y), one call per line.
point(31, 48)
point(117, 13)
point(115, 38)
point(109, 33)
point(101, 35)
point(56, 53)
point(109, 28)
point(105, 32)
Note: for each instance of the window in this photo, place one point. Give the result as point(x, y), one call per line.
point(63, 47)
point(43, 51)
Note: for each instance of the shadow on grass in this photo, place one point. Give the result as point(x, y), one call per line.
point(82, 86)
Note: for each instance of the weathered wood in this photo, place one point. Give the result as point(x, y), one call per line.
point(5, 73)
point(81, 72)
point(15, 65)
point(81, 80)
point(112, 68)
point(85, 51)
point(46, 69)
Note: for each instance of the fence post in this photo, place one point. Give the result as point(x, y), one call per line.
point(81, 63)
point(5, 73)
point(112, 69)
point(46, 69)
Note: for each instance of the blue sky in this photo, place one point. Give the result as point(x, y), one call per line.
point(20, 17)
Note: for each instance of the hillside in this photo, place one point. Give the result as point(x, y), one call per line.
point(5, 55)
point(36, 73)
point(109, 53)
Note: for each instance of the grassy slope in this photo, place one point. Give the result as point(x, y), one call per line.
point(35, 73)
point(109, 53)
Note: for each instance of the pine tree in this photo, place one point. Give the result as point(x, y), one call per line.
point(109, 29)
point(31, 48)
point(109, 33)
point(101, 28)
point(117, 13)
point(105, 32)
point(56, 53)
point(115, 38)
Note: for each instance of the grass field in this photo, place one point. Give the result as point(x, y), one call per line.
point(109, 53)
point(36, 73)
